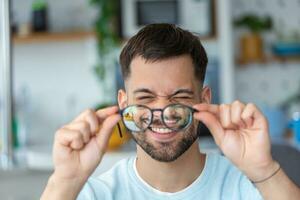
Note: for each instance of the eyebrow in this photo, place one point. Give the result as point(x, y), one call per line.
point(186, 91)
point(142, 90)
point(179, 91)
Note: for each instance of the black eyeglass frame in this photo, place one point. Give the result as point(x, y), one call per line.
point(154, 110)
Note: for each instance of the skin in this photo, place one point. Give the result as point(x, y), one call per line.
point(240, 130)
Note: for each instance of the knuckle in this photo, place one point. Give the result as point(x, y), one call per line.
point(77, 135)
point(56, 135)
point(59, 132)
point(84, 125)
point(89, 111)
point(227, 124)
point(235, 120)
point(224, 121)
point(251, 105)
point(244, 115)
point(237, 103)
point(244, 118)
point(223, 106)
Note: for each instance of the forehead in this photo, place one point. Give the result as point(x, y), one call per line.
point(162, 76)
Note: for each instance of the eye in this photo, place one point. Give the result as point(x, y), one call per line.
point(183, 97)
point(145, 97)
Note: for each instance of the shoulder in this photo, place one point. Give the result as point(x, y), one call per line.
point(230, 179)
point(105, 185)
point(223, 166)
point(117, 172)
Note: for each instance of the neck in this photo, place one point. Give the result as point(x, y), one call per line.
point(171, 176)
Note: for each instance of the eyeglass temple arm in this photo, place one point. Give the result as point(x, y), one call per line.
point(119, 130)
point(119, 127)
point(194, 110)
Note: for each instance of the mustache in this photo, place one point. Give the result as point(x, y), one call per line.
point(157, 122)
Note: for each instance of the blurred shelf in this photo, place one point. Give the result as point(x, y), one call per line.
point(201, 38)
point(46, 37)
point(208, 38)
point(286, 58)
point(271, 59)
point(52, 37)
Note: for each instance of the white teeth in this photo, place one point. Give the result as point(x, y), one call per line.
point(162, 130)
point(170, 121)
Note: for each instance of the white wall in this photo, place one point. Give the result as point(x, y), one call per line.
point(268, 84)
point(63, 15)
point(273, 82)
point(59, 83)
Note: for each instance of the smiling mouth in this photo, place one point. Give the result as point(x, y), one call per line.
point(161, 130)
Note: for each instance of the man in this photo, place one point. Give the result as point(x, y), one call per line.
point(163, 68)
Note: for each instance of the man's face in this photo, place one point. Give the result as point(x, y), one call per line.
point(156, 85)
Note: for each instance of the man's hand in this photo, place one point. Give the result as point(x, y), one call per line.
point(241, 132)
point(78, 150)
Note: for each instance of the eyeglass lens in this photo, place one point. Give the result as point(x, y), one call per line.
point(175, 117)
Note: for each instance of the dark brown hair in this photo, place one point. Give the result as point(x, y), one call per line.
point(161, 41)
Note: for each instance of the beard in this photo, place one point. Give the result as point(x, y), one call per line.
point(167, 151)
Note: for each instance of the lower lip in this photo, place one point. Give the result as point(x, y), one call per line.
point(162, 136)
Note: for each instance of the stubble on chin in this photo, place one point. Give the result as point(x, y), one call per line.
point(167, 151)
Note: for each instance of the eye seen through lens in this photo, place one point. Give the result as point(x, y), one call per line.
point(136, 118)
point(177, 116)
point(142, 117)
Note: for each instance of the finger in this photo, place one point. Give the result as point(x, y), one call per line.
point(225, 116)
point(94, 123)
point(81, 116)
point(236, 111)
point(213, 124)
point(251, 113)
point(106, 130)
point(77, 144)
point(247, 115)
point(104, 113)
point(83, 127)
point(89, 116)
point(71, 138)
point(212, 108)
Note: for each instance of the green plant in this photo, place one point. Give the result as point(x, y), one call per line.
point(254, 23)
point(106, 32)
point(39, 5)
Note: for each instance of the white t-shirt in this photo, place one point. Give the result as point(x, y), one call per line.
point(220, 179)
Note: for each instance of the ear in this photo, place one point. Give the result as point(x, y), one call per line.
point(206, 95)
point(122, 99)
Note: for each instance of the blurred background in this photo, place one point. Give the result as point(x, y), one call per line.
point(58, 58)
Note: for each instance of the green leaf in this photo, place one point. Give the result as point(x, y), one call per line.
point(104, 26)
point(254, 23)
point(39, 5)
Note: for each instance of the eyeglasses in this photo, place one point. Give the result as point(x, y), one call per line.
point(138, 118)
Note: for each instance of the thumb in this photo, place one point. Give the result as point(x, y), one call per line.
point(106, 131)
point(212, 124)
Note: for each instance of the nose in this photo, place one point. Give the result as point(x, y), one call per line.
point(158, 107)
point(157, 116)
